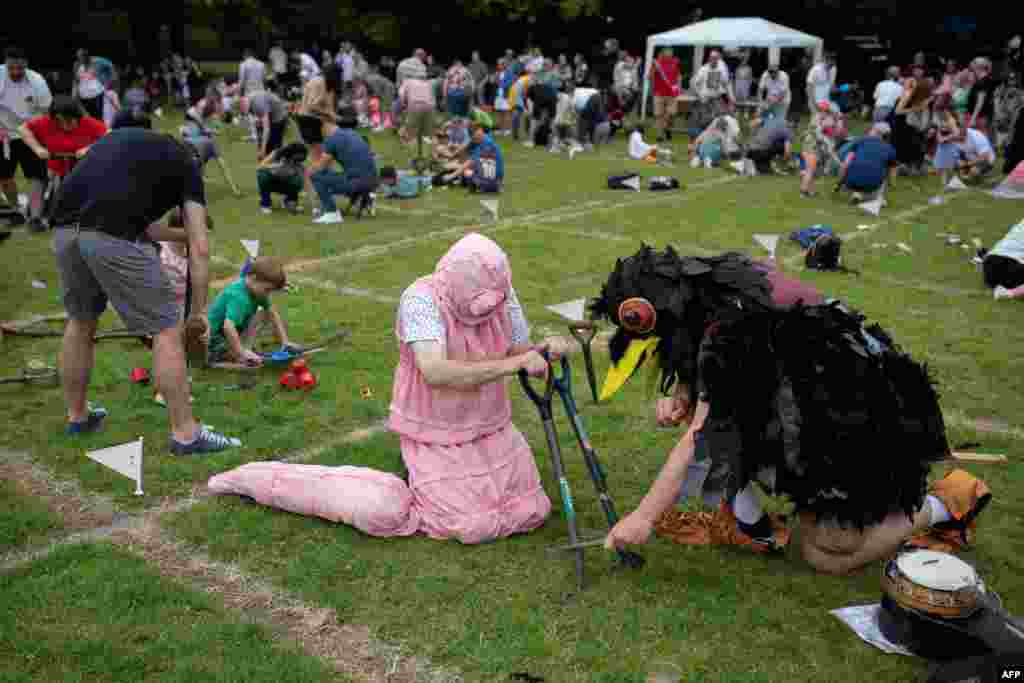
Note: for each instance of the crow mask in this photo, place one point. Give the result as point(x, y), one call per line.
point(662, 303)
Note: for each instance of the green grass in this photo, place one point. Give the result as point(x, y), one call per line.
point(716, 615)
point(94, 613)
point(23, 519)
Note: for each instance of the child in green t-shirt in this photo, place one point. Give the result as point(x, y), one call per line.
point(239, 310)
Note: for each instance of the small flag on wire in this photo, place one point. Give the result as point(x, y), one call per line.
point(125, 459)
point(573, 311)
point(874, 207)
point(490, 207)
point(769, 242)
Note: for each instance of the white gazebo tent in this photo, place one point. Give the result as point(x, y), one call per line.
point(729, 33)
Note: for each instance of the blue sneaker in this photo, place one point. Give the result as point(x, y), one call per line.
point(206, 441)
point(92, 422)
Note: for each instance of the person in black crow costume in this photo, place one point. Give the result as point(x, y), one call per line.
point(783, 388)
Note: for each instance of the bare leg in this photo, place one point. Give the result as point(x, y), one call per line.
point(169, 374)
point(315, 152)
point(35, 201)
point(78, 355)
point(842, 551)
point(227, 176)
point(807, 178)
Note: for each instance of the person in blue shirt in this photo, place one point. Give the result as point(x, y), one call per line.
point(867, 163)
point(351, 150)
point(484, 171)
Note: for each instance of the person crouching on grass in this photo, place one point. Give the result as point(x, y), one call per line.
point(485, 169)
point(238, 313)
point(282, 172)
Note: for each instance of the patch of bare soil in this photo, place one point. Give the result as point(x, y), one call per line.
point(64, 498)
point(348, 648)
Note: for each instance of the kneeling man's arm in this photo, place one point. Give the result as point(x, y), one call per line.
point(438, 370)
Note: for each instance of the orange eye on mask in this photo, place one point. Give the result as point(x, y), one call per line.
point(637, 316)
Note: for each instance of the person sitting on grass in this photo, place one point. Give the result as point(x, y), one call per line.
point(978, 155)
point(720, 140)
point(641, 151)
point(451, 141)
point(198, 135)
point(472, 477)
point(484, 171)
point(394, 186)
point(866, 167)
point(772, 139)
point(281, 172)
point(238, 314)
point(352, 151)
point(1003, 265)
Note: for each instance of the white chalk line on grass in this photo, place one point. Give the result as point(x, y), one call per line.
point(370, 251)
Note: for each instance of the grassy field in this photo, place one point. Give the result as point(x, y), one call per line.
point(489, 611)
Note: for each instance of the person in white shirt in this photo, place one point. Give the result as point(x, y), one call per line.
point(308, 68)
point(979, 155)
point(24, 95)
point(744, 78)
point(1003, 266)
point(712, 84)
point(820, 81)
point(640, 150)
point(774, 92)
point(887, 94)
point(251, 74)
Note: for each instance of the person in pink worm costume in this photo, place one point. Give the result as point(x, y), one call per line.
point(472, 475)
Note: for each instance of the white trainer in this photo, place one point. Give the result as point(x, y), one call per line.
point(329, 218)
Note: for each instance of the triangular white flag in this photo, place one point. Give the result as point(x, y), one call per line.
point(573, 311)
point(490, 208)
point(956, 184)
point(874, 207)
point(740, 167)
point(252, 247)
point(769, 242)
point(632, 183)
point(125, 459)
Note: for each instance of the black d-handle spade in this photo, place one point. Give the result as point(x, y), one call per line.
point(584, 332)
point(543, 403)
point(563, 385)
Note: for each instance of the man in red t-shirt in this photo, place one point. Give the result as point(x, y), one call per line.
point(66, 130)
point(666, 75)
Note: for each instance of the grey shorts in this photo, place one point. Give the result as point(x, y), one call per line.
point(96, 268)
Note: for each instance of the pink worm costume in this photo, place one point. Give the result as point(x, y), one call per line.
point(472, 475)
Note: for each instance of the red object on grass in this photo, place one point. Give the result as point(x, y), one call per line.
point(298, 376)
point(140, 376)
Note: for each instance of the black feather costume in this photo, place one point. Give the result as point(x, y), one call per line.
point(849, 424)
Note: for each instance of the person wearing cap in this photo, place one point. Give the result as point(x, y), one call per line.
point(774, 92)
point(24, 95)
point(867, 163)
point(352, 151)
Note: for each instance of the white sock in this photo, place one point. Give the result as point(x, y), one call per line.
point(939, 511)
point(746, 506)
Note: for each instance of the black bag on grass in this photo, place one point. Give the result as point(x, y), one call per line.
point(661, 183)
point(824, 253)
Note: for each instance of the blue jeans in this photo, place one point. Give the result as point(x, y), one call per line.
point(458, 103)
point(330, 183)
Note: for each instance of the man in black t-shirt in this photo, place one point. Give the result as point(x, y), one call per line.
point(543, 100)
point(981, 101)
point(106, 218)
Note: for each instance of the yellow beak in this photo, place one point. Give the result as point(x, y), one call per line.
point(619, 374)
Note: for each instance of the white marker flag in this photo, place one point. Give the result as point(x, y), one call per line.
point(490, 208)
point(125, 459)
point(769, 242)
point(956, 184)
point(252, 247)
point(874, 207)
point(632, 183)
point(573, 311)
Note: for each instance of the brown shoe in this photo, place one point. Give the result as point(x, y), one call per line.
point(965, 496)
